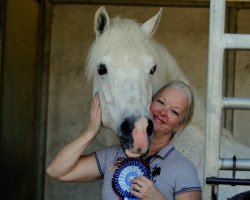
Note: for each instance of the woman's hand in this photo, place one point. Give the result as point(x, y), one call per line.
point(145, 189)
point(95, 115)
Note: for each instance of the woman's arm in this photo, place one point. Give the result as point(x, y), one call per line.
point(145, 189)
point(194, 195)
point(70, 164)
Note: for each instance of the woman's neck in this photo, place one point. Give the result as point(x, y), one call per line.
point(158, 142)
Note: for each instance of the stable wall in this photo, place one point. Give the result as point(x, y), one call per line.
point(184, 31)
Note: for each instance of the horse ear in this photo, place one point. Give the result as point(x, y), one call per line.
point(150, 26)
point(101, 21)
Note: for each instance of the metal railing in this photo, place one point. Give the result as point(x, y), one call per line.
point(218, 42)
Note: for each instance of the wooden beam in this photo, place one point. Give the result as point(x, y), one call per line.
point(182, 3)
point(176, 3)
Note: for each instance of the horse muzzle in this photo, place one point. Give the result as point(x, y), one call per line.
point(135, 135)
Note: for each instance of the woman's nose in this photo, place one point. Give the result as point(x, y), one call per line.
point(164, 112)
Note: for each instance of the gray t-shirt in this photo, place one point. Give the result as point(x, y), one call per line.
point(172, 173)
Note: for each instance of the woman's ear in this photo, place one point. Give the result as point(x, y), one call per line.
point(180, 127)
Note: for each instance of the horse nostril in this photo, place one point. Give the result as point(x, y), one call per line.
point(150, 127)
point(127, 126)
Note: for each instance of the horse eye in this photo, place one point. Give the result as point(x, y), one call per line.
point(153, 69)
point(102, 69)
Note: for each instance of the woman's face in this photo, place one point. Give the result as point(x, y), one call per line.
point(168, 110)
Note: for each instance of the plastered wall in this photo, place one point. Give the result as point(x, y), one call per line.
point(184, 31)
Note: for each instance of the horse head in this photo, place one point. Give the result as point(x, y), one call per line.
point(122, 62)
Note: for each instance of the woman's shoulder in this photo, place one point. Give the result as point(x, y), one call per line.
point(185, 170)
point(113, 149)
point(181, 160)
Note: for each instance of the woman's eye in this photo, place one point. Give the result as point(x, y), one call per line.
point(160, 101)
point(175, 113)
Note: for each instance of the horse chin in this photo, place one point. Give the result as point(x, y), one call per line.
point(136, 153)
point(131, 154)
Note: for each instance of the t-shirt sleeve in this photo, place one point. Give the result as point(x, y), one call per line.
point(103, 157)
point(187, 180)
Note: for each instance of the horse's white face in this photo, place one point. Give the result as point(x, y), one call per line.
point(125, 94)
point(124, 91)
point(122, 75)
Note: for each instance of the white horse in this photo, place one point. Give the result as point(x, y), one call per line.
point(128, 67)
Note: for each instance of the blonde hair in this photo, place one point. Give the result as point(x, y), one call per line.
point(187, 91)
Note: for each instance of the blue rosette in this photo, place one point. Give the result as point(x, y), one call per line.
point(127, 170)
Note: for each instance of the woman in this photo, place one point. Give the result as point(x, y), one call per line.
point(172, 175)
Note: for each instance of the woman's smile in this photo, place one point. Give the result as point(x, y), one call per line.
point(158, 119)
